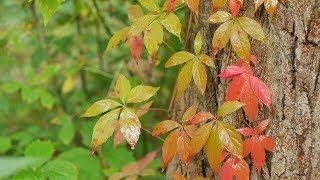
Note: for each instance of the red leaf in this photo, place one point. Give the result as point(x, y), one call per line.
point(262, 126)
point(170, 6)
point(234, 7)
point(118, 138)
point(268, 143)
point(234, 167)
point(231, 71)
point(261, 90)
point(200, 117)
point(136, 45)
point(251, 101)
point(246, 131)
point(247, 146)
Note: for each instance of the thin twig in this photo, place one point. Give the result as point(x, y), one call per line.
point(98, 71)
point(151, 134)
point(174, 51)
point(101, 18)
point(152, 109)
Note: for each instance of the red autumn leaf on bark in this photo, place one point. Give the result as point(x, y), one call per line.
point(136, 45)
point(234, 167)
point(257, 144)
point(235, 6)
point(246, 88)
point(170, 5)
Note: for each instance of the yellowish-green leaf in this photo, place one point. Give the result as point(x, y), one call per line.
point(129, 126)
point(172, 23)
point(47, 8)
point(29, 94)
point(200, 137)
point(134, 12)
point(47, 100)
point(184, 78)
point(230, 138)
point(153, 37)
point(179, 58)
point(218, 4)
point(68, 85)
point(141, 93)
point(229, 107)
point(117, 38)
point(240, 42)
point(151, 5)
point(101, 107)
point(220, 17)
point(104, 128)
point(198, 43)
point(222, 35)
point(213, 149)
point(122, 87)
point(190, 112)
point(206, 60)
point(252, 27)
point(141, 23)
point(10, 87)
point(200, 76)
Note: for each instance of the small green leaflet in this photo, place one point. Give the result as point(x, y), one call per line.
point(57, 169)
point(47, 8)
point(40, 149)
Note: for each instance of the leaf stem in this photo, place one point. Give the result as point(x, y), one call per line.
point(151, 134)
point(97, 71)
point(168, 45)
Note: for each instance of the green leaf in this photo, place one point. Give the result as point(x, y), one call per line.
point(206, 60)
point(57, 170)
point(40, 149)
point(230, 138)
point(229, 107)
point(47, 8)
point(66, 132)
point(141, 93)
point(29, 94)
point(153, 38)
point(11, 165)
point(198, 43)
point(179, 58)
point(172, 23)
point(28, 174)
point(117, 157)
point(10, 87)
point(252, 27)
point(101, 107)
point(140, 24)
point(47, 100)
point(222, 35)
point(220, 17)
point(151, 5)
point(200, 76)
point(88, 166)
point(104, 128)
point(213, 149)
point(184, 78)
point(122, 87)
point(117, 38)
point(129, 126)
point(240, 42)
point(5, 144)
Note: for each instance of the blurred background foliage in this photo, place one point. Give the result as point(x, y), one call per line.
point(50, 74)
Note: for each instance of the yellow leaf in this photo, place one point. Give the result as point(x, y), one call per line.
point(190, 112)
point(129, 126)
point(140, 24)
point(213, 149)
point(200, 137)
point(117, 38)
point(229, 107)
point(184, 77)
point(198, 43)
point(206, 60)
point(240, 42)
point(104, 128)
point(153, 37)
point(169, 147)
point(134, 12)
point(122, 87)
point(141, 93)
point(172, 23)
point(220, 17)
point(230, 138)
point(251, 27)
point(179, 58)
point(151, 5)
point(68, 85)
point(200, 76)
point(101, 107)
point(218, 4)
point(222, 35)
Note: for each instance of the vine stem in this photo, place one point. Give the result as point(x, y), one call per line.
point(174, 51)
point(152, 109)
point(151, 134)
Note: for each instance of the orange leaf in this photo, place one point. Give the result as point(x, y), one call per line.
point(200, 117)
point(184, 148)
point(193, 5)
point(169, 148)
point(234, 7)
point(200, 137)
point(165, 126)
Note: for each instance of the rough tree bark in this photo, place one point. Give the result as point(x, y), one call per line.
point(290, 65)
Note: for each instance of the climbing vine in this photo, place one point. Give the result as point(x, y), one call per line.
point(223, 144)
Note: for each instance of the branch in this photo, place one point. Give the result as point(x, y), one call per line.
point(101, 18)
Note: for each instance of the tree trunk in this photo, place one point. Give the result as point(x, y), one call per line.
point(289, 62)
